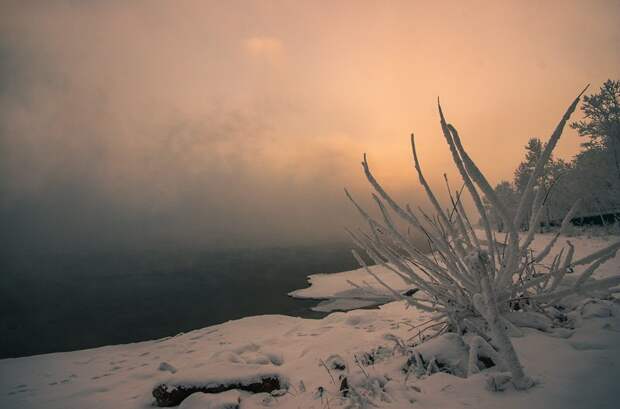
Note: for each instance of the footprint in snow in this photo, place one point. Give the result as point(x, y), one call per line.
point(611, 327)
point(291, 331)
point(165, 366)
point(86, 362)
point(586, 346)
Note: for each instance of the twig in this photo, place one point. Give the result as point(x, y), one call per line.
point(359, 365)
point(328, 371)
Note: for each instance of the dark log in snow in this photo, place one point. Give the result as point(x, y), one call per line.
point(172, 395)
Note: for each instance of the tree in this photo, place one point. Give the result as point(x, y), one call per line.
point(507, 195)
point(475, 284)
point(593, 178)
point(553, 170)
point(533, 152)
point(559, 195)
point(602, 121)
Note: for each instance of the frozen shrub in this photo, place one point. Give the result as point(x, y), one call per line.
point(473, 283)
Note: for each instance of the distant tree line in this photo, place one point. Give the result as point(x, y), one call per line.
point(593, 175)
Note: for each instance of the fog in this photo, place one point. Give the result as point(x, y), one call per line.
point(224, 124)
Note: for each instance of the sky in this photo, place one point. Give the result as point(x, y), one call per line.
point(238, 123)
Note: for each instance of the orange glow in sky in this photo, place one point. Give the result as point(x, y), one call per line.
point(241, 121)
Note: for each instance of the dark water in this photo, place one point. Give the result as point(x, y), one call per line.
point(66, 302)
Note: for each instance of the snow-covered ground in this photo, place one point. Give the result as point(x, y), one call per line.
point(309, 357)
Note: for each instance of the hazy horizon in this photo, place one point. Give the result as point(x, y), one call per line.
point(224, 124)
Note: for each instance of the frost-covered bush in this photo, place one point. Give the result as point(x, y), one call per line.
point(475, 283)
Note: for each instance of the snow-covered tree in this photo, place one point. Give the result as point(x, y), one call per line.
point(597, 168)
point(507, 195)
point(533, 152)
point(602, 120)
point(553, 170)
point(593, 178)
point(471, 281)
point(593, 175)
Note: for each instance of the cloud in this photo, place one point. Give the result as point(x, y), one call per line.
point(260, 46)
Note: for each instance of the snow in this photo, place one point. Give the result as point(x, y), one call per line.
point(576, 369)
point(338, 294)
point(224, 400)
